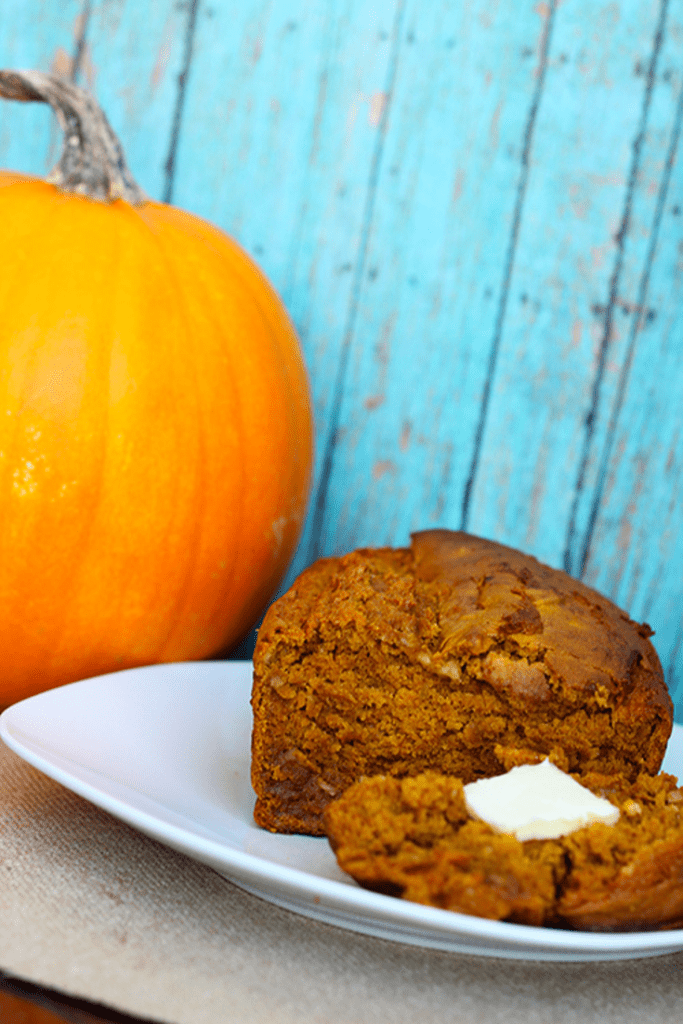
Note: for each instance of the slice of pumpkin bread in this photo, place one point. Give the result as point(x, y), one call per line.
point(457, 655)
point(413, 838)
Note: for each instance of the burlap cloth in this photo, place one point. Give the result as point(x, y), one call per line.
point(95, 910)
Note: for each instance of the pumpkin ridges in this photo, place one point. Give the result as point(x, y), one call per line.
point(62, 648)
point(61, 642)
point(223, 248)
point(233, 398)
point(180, 486)
point(225, 595)
point(85, 432)
point(242, 264)
point(230, 589)
point(184, 595)
point(93, 641)
point(26, 467)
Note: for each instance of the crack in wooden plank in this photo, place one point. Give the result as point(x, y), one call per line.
point(176, 124)
point(70, 65)
point(323, 79)
point(80, 50)
point(639, 322)
point(605, 342)
point(509, 265)
point(320, 499)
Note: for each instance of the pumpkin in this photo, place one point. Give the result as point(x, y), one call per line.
point(155, 420)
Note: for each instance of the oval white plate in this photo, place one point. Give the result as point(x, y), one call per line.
point(167, 750)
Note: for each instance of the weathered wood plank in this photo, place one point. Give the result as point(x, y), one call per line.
point(448, 190)
point(568, 267)
point(256, 150)
point(524, 496)
point(637, 237)
point(283, 112)
point(639, 495)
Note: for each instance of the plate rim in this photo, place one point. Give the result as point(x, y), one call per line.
point(540, 943)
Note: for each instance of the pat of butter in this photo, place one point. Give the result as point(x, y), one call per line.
point(536, 801)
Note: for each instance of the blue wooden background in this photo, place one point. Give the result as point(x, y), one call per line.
point(474, 213)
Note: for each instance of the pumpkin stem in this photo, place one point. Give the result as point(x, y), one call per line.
point(92, 162)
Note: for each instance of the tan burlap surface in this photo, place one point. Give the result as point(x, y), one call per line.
point(93, 909)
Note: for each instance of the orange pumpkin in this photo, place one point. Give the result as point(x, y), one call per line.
point(155, 421)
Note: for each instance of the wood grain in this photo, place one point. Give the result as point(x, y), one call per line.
point(474, 214)
point(435, 281)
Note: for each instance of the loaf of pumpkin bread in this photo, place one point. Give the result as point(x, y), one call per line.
point(457, 655)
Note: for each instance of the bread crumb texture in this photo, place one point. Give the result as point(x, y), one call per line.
point(456, 655)
point(413, 838)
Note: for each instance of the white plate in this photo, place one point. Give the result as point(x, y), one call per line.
point(166, 749)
